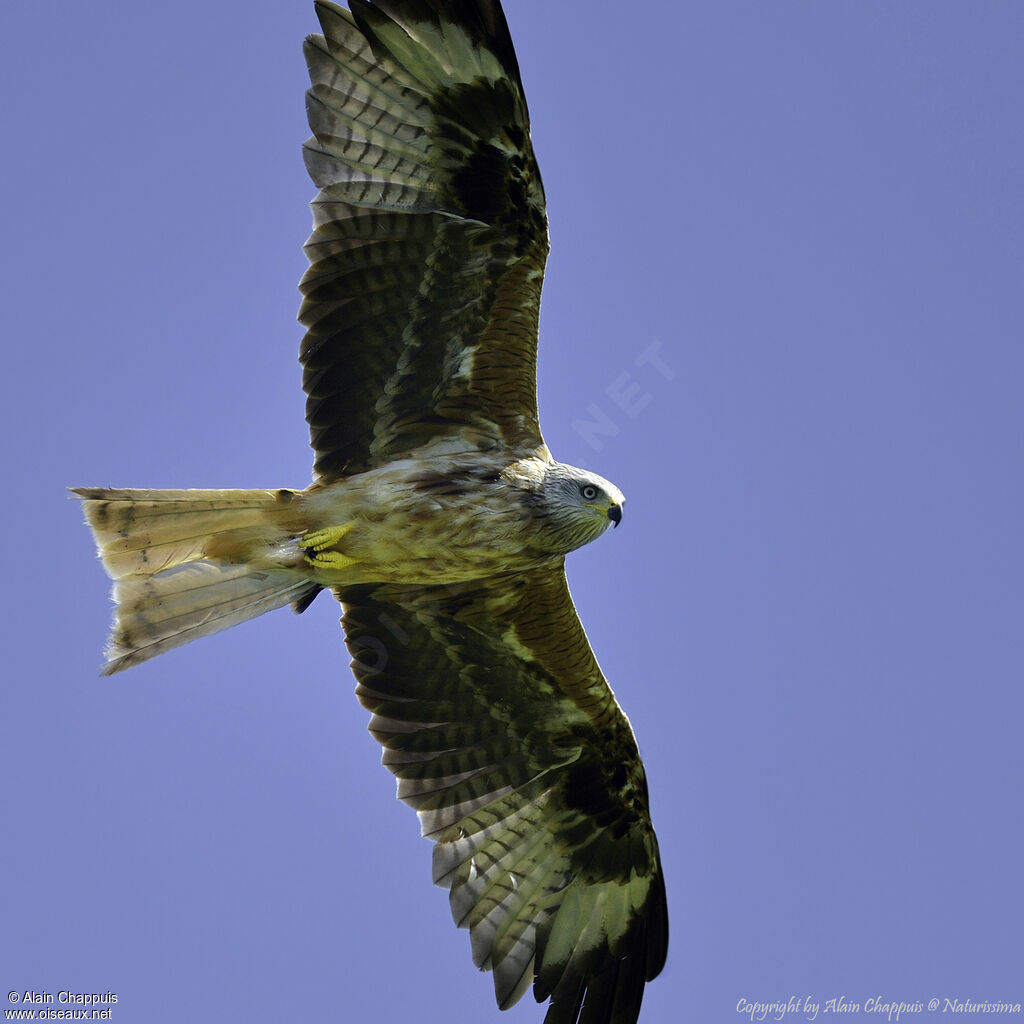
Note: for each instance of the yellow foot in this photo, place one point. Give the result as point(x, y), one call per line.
point(315, 543)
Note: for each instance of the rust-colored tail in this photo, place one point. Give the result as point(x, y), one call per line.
point(189, 563)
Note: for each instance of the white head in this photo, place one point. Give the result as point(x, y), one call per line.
point(579, 506)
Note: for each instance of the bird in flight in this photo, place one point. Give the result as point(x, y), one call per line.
point(436, 516)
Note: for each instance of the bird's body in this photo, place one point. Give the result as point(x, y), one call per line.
point(452, 519)
point(437, 515)
point(427, 522)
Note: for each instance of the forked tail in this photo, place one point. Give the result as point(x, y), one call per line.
point(189, 563)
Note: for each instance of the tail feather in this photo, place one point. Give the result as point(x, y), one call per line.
point(139, 531)
point(181, 604)
point(187, 564)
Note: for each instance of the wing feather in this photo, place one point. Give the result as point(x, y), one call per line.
point(430, 237)
point(508, 741)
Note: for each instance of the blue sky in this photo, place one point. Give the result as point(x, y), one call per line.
point(811, 214)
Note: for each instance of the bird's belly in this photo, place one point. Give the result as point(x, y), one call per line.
point(433, 549)
point(398, 531)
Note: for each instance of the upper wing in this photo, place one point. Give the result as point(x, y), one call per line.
point(427, 255)
point(508, 741)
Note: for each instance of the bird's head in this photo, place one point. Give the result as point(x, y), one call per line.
point(579, 505)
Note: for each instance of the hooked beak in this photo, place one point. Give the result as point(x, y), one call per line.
point(615, 514)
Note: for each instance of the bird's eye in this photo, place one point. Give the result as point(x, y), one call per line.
point(589, 491)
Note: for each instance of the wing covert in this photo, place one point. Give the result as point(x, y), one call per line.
point(507, 740)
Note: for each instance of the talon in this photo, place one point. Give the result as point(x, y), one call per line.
point(330, 560)
point(317, 540)
point(315, 543)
